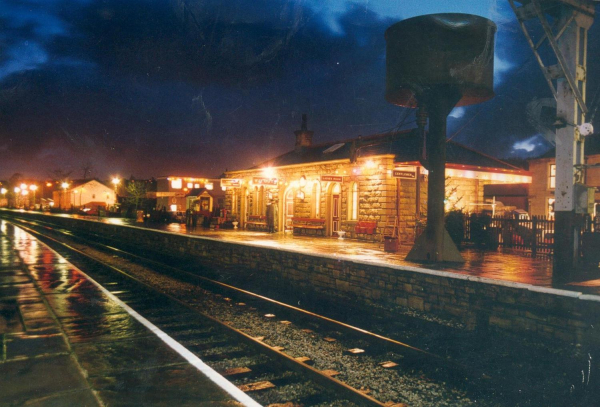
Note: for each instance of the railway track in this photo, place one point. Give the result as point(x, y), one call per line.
point(247, 353)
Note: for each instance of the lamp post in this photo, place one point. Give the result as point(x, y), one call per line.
point(33, 188)
point(116, 181)
point(64, 186)
point(17, 193)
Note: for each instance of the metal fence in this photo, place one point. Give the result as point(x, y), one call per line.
point(535, 235)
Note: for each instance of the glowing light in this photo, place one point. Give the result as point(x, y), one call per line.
point(17, 190)
point(33, 187)
point(48, 184)
point(3, 191)
point(65, 185)
point(209, 186)
point(116, 181)
point(303, 181)
point(196, 185)
point(23, 186)
point(269, 172)
point(370, 164)
point(176, 183)
point(24, 192)
point(173, 207)
point(190, 185)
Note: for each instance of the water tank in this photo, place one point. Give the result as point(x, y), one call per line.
point(439, 51)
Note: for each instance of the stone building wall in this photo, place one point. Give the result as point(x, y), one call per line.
point(476, 302)
point(379, 194)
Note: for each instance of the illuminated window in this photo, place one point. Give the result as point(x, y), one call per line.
point(209, 186)
point(551, 207)
point(173, 208)
point(190, 185)
point(176, 184)
point(552, 176)
point(196, 185)
point(353, 202)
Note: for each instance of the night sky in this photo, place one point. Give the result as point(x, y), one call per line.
point(158, 87)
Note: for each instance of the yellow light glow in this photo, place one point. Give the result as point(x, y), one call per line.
point(176, 183)
point(209, 186)
point(269, 172)
point(303, 181)
point(370, 164)
point(190, 185)
point(116, 181)
point(65, 185)
point(3, 191)
point(489, 176)
point(23, 186)
point(48, 184)
point(17, 190)
point(24, 192)
point(33, 187)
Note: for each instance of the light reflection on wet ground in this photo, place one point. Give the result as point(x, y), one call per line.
point(56, 324)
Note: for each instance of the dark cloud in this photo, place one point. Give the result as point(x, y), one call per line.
point(156, 87)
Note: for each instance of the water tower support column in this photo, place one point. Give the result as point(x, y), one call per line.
point(435, 243)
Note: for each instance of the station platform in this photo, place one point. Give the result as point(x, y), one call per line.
point(66, 341)
point(501, 264)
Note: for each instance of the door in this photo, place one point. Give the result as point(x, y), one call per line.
point(336, 204)
point(289, 209)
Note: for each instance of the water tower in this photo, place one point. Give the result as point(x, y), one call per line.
point(434, 63)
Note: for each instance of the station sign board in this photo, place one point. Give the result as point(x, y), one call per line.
point(231, 182)
point(332, 178)
point(264, 181)
point(404, 173)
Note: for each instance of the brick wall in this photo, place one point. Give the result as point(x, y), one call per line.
point(556, 314)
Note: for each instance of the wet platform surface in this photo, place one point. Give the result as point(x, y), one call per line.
point(500, 264)
point(66, 342)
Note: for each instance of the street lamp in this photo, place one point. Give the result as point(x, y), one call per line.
point(17, 193)
point(116, 181)
point(33, 188)
point(3, 191)
point(64, 186)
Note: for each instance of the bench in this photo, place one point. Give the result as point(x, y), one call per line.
point(365, 227)
point(257, 222)
point(305, 224)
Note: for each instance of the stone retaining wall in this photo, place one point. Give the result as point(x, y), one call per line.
point(476, 302)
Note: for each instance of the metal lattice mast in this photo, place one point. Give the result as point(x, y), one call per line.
point(568, 43)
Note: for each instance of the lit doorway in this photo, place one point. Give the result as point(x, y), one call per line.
point(288, 207)
point(334, 208)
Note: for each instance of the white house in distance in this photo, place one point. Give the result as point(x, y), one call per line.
point(84, 193)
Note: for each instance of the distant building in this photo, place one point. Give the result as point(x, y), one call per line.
point(543, 170)
point(84, 194)
point(176, 193)
point(373, 179)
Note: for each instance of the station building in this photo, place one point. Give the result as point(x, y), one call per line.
point(177, 194)
point(360, 186)
point(89, 193)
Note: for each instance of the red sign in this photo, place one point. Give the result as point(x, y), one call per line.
point(405, 174)
point(231, 182)
point(332, 178)
point(264, 181)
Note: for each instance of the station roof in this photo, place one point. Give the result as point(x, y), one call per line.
point(403, 145)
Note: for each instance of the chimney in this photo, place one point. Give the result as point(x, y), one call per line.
point(303, 136)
